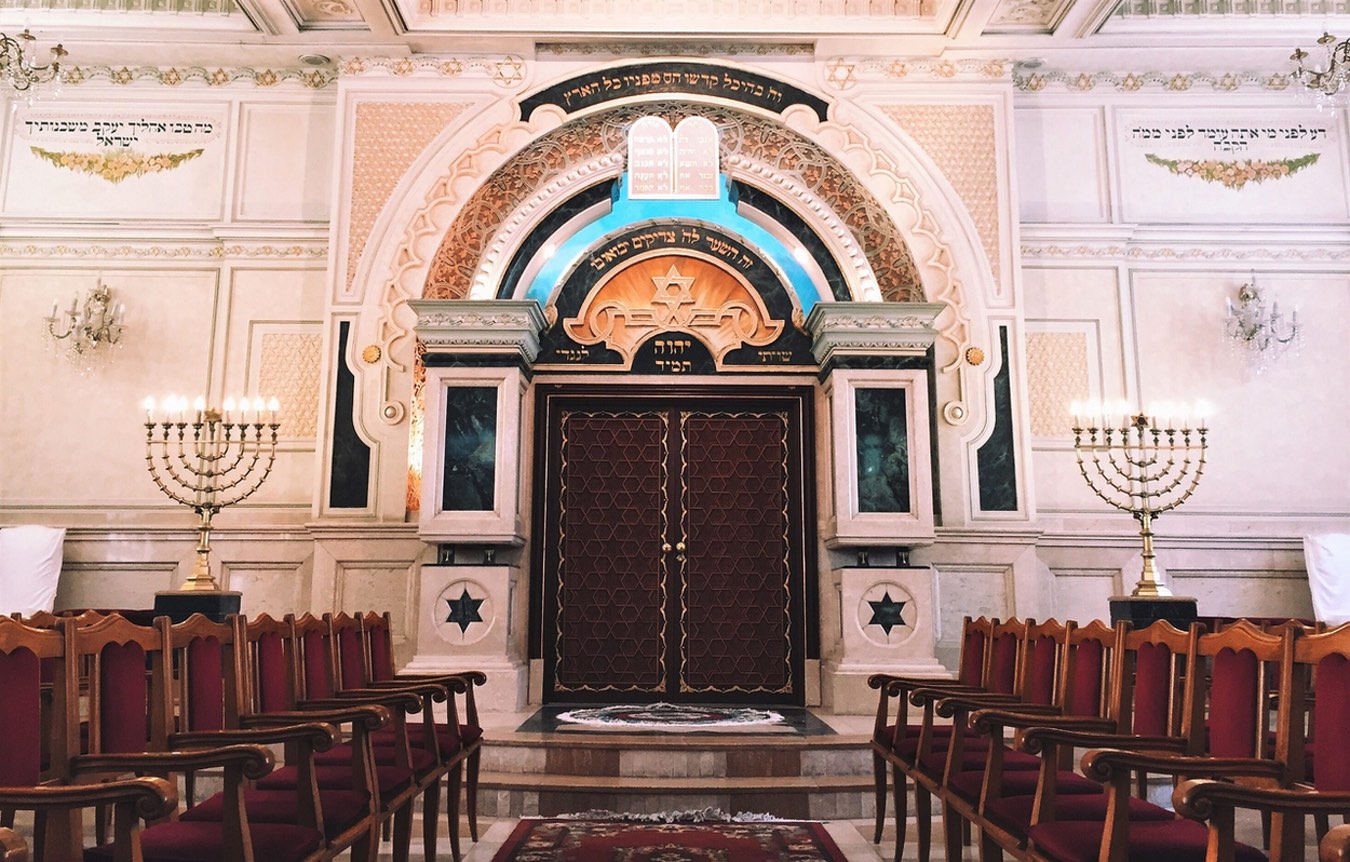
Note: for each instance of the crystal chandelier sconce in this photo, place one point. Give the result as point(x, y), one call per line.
point(93, 322)
point(1262, 332)
point(1327, 84)
point(21, 70)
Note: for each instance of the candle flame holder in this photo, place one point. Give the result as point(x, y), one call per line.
point(1141, 468)
point(213, 461)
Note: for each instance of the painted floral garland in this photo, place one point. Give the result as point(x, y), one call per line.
point(1236, 174)
point(116, 165)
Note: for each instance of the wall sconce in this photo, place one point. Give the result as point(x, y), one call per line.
point(1262, 331)
point(92, 322)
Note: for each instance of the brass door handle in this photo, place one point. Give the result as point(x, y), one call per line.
point(679, 546)
point(665, 547)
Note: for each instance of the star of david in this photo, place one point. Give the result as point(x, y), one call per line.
point(510, 71)
point(841, 74)
point(672, 299)
point(886, 613)
point(464, 611)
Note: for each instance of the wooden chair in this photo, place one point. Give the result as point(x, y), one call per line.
point(1316, 777)
point(283, 665)
point(208, 692)
point(1222, 735)
point(895, 741)
point(467, 737)
point(55, 801)
point(12, 847)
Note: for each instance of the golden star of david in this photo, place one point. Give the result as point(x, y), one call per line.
point(673, 300)
point(510, 71)
point(841, 73)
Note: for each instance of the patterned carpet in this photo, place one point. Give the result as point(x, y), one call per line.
point(570, 840)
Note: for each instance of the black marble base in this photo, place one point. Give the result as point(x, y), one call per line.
point(1140, 611)
point(179, 605)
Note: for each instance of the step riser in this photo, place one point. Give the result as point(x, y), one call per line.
point(799, 804)
point(562, 760)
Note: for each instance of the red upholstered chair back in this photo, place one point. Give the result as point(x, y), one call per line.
point(1005, 647)
point(1087, 667)
point(127, 708)
point(353, 661)
point(1042, 652)
point(1150, 666)
point(378, 632)
point(315, 655)
point(23, 651)
point(265, 655)
point(1320, 660)
point(1230, 675)
point(204, 657)
point(975, 634)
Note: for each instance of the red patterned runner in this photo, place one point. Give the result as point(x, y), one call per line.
point(621, 841)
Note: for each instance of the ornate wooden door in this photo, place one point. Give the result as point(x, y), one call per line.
point(671, 548)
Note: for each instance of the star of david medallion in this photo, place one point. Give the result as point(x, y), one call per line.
point(887, 613)
point(463, 612)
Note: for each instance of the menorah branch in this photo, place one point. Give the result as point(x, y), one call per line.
point(217, 464)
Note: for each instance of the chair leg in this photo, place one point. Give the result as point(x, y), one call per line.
point(7, 818)
point(901, 811)
point(879, 779)
point(452, 788)
point(990, 851)
point(951, 832)
point(403, 831)
point(431, 815)
point(101, 825)
point(923, 819)
point(471, 790)
point(367, 847)
point(1321, 824)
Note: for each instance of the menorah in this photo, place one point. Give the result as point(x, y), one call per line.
point(208, 458)
point(1144, 465)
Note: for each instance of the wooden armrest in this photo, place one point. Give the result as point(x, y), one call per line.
point(986, 720)
point(424, 690)
point(1200, 799)
point(12, 847)
point(319, 735)
point(950, 707)
point(152, 798)
point(879, 680)
point(254, 760)
point(1335, 846)
point(410, 702)
point(1102, 764)
point(469, 677)
point(1035, 739)
point(459, 685)
point(926, 695)
point(369, 717)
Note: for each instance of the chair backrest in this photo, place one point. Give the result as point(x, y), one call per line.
point(270, 681)
point(1043, 651)
point(1005, 648)
point(353, 657)
point(23, 651)
point(315, 657)
point(1150, 668)
point(208, 682)
point(1325, 658)
point(974, 659)
point(1086, 680)
point(1327, 558)
point(378, 631)
point(30, 567)
point(127, 704)
point(1226, 707)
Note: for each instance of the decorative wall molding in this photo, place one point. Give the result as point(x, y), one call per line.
point(173, 76)
point(154, 251)
point(1153, 82)
point(1106, 251)
point(676, 49)
point(844, 72)
point(504, 70)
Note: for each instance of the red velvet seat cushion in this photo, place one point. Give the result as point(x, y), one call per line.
point(940, 731)
point(1171, 841)
point(342, 809)
point(1015, 811)
point(340, 755)
point(390, 779)
point(973, 742)
point(201, 842)
point(445, 740)
point(1023, 783)
point(973, 760)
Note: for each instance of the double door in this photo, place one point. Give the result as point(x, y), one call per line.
point(672, 547)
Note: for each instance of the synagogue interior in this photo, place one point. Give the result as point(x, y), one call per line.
point(874, 417)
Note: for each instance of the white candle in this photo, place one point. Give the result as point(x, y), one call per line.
point(149, 405)
point(1076, 411)
point(272, 407)
point(227, 408)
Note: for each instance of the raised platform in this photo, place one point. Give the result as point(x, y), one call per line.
point(806, 776)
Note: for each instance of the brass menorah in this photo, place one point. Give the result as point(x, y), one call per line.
point(1145, 465)
point(208, 458)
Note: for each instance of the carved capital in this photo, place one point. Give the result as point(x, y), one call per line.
point(506, 326)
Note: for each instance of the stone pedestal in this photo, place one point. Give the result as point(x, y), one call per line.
point(472, 618)
point(888, 625)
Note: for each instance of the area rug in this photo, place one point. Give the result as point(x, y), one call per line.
point(671, 716)
point(564, 840)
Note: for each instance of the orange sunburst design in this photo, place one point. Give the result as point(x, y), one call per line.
point(673, 293)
